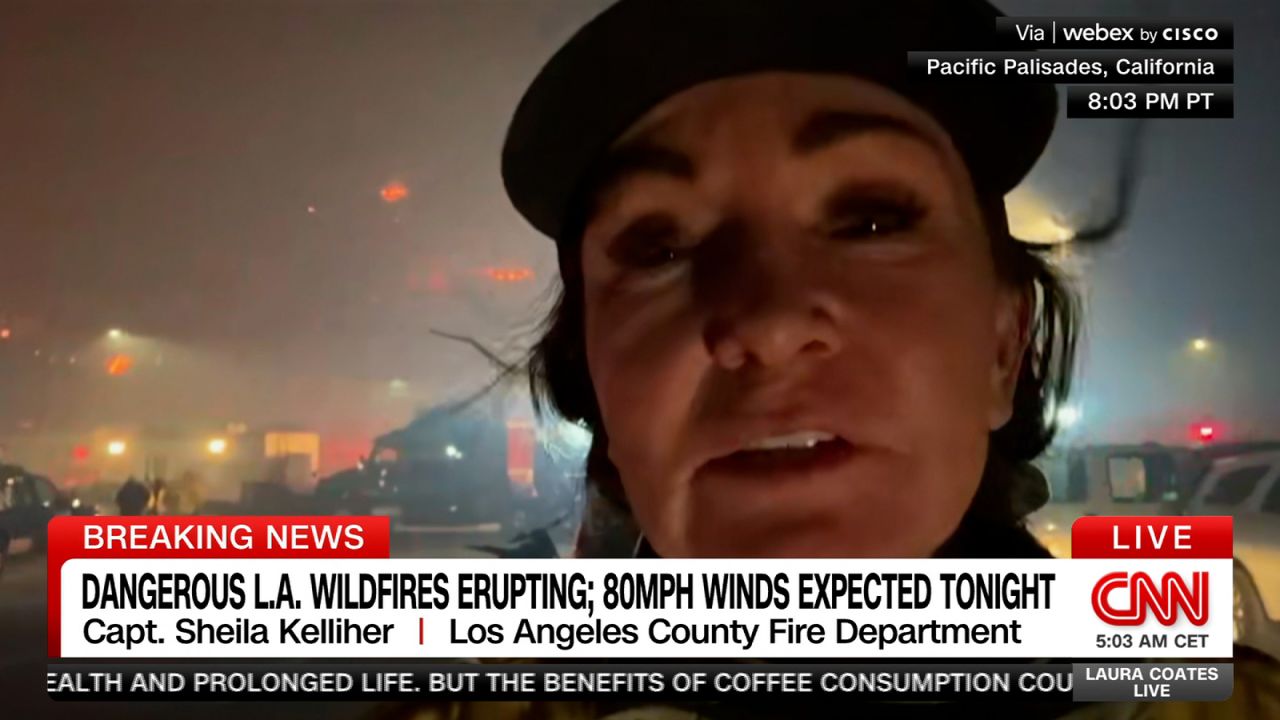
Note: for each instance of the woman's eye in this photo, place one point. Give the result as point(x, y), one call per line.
point(649, 242)
point(880, 223)
point(856, 216)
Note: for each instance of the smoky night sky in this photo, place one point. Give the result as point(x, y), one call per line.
point(158, 161)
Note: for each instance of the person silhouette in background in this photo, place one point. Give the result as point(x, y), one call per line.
point(132, 497)
point(159, 496)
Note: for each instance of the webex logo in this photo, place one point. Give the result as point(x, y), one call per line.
point(1141, 594)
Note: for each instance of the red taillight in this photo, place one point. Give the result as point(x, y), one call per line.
point(1205, 432)
point(522, 443)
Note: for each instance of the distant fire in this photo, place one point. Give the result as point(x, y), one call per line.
point(508, 274)
point(119, 365)
point(428, 280)
point(438, 282)
point(394, 192)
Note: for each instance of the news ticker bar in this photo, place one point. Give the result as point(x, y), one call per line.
point(1167, 68)
point(1079, 682)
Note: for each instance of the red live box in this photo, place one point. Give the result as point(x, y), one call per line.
point(1151, 537)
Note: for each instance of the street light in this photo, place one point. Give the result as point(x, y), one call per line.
point(116, 448)
point(1068, 416)
point(1200, 344)
point(115, 333)
point(217, 446)
point(1032, 218)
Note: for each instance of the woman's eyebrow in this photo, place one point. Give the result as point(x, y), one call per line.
point(641, 157)
point(825, 128)
point(855, 197)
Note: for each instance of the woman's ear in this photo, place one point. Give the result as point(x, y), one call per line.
point(1013, 313)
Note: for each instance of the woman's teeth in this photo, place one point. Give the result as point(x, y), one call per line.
point(805, 439)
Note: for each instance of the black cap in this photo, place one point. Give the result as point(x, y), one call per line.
point(637, 53)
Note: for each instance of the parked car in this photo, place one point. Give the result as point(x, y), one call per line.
point(1247, 487)
point(27, 503)
point(456, 470)
point(1147, 479)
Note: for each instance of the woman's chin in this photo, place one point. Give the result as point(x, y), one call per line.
point(814, 541)
point(852, 520)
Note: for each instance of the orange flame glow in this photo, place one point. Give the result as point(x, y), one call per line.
point(119, 365)
point(394, 192)
point(511, 274)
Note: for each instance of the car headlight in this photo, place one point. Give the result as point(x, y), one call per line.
point(1059, 550)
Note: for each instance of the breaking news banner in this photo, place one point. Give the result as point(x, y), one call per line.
point(1171, 68)
point(238, 607)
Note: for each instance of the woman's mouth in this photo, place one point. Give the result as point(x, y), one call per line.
point(805, 439)
point(793, 455)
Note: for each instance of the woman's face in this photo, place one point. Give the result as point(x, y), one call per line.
point(794, 328)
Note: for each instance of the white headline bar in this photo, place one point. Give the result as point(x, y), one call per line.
point(454, 608)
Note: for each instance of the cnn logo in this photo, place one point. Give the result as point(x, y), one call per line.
point(1143, 595)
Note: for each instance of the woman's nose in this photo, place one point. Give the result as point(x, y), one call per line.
point(769, 313)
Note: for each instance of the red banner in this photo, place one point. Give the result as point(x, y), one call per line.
point(1152, 537)
point(205, 537)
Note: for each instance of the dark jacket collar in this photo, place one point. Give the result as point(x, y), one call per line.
point(975, 538)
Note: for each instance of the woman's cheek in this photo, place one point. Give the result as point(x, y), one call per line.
point(947, 359)
point(932, 329)
point(646, 360)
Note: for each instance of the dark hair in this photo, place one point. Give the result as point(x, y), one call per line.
point(560, 380)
